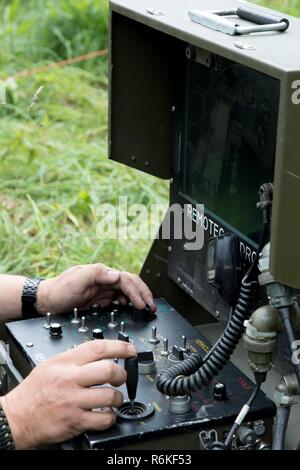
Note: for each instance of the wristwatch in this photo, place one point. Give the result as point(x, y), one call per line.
point(29, 299)
point(6, 439)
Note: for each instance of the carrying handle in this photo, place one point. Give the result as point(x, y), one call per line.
point(217, 20)
point(260, 17)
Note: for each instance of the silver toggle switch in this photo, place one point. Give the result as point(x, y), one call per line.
point(184, 346)
point(75, 320)
point(83, 328)
point(112, 323)
point(165, 351)
point(47, 324)
point(154, 339)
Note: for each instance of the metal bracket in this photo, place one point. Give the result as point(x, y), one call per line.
point(216, 20)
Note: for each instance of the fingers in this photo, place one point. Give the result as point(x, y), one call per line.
point(105, 275)
point(122, 299)
point(101, 372)
point(96, 350)
point(97, 421)
point(137, 291)
point(100, 397)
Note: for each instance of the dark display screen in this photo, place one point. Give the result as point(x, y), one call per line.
point(229, 141)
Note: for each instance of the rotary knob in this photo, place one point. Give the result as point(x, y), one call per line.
point(55, 330)
point(97, 333)
point(220, 392)
point(146, 363)
point(143, 315)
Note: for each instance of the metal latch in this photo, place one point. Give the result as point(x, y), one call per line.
point(216, 20)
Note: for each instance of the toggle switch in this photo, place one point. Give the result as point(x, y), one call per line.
point(177, 354)
point(165, 352)
point(75, 320)
point(112, 324)
point(83, 328)
point(154, 339)
point(47, 323)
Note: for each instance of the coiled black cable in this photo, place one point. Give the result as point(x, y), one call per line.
point(191, 374)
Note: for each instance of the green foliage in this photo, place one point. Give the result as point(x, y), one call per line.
point(53, 143)
point(292, 7)
point(35, 31)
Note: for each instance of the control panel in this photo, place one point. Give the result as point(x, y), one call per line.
point(146, 417)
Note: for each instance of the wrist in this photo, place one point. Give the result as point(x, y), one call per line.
point(19, 434)
point(43, 304)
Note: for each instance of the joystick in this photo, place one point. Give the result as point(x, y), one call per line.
point(132, 369)
point(133, 410)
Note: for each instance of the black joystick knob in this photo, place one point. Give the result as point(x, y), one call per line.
point(143, 315)
point(97, 333)
point(132, 369)
point(55, 330)
point(220, 392)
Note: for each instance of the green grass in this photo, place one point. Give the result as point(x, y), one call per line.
point(53, 158)
point(54, 167)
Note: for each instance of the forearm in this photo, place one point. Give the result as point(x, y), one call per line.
point(10, 296)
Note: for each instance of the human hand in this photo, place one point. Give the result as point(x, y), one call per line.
point(54, 403)
point(81, 286)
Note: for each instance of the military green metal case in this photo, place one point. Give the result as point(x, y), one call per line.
point(148, 44)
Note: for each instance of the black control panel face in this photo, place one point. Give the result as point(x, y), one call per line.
point(157, 416)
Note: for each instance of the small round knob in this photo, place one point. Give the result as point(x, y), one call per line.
point(95, 309)
point(97, 333)
point(144, 315)
point(55, 330)
point(220, 392)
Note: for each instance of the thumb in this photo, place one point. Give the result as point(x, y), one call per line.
point(107, 276)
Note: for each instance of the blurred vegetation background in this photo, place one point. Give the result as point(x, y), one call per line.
point(54, 171)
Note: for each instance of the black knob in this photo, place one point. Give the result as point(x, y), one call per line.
point(55, 330)
point(95, 309)
point(123, 337)
point(145, 357)
point(143, 315)
point(97, 333)
point(132, 369)
point(220, 392)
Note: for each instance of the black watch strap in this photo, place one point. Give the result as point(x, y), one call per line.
point(6, 439)
point(29, 298)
